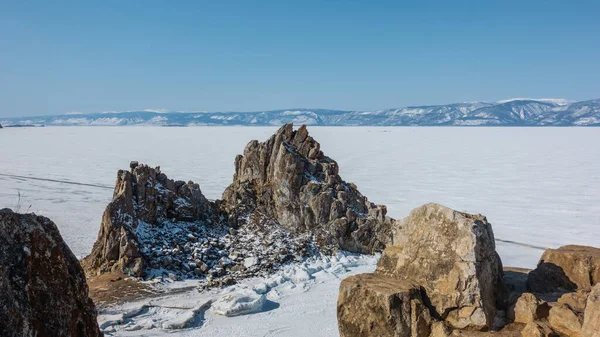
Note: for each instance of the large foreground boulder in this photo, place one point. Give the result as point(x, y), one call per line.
point(379, 305)
point(453, 256)
point(43, 291)
point(568, 268)
point(289, 181)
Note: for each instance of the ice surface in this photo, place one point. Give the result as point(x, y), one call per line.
point(281, 305)
point(539, 187)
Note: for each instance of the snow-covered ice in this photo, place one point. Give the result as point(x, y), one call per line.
point(235, 303)
point(283, 304)
point(539, 187)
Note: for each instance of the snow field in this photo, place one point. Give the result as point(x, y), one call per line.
point(264, 300)
point(539, 187)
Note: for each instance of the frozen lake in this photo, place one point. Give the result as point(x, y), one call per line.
point(537, 186)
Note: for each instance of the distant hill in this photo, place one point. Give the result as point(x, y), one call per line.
point(512, 112)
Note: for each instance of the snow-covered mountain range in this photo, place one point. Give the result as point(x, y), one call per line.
point(511, 112)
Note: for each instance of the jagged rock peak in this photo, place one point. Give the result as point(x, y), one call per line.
point(286, 202)
point(288, 180)
point(142, 195)
point(157, 227)
point(43, 291)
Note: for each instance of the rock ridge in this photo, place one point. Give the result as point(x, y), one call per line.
point(288, 179)
point(286, 202)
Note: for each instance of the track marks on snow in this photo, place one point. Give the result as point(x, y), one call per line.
point(18, 177)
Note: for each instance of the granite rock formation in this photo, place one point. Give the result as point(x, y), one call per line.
point(448, 255)
point(43, 290)
point(286, 202)
point(568, 268)
point(289, 181)
point(453, 256)
point(551, 313)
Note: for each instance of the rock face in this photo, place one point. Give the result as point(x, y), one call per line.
point(568, 268)
point(288, 180)
point(143, 196)
point(591, 321)
point(43, 291)
point(378, 305)
point(452, 255)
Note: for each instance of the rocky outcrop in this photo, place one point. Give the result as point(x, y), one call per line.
point(563, 277)
point(286, 202)
point(144, 199)
point(591, 321)
point(289, 181)
point(452, 255)
point(379, 305)
point(448, 255)
point(568, 268)
point(43, 290)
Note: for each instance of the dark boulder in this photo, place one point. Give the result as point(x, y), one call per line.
point(43, 290)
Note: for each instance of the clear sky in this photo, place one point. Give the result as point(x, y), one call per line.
point(92, 56)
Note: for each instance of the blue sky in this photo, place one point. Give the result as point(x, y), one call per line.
point(92, 56)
